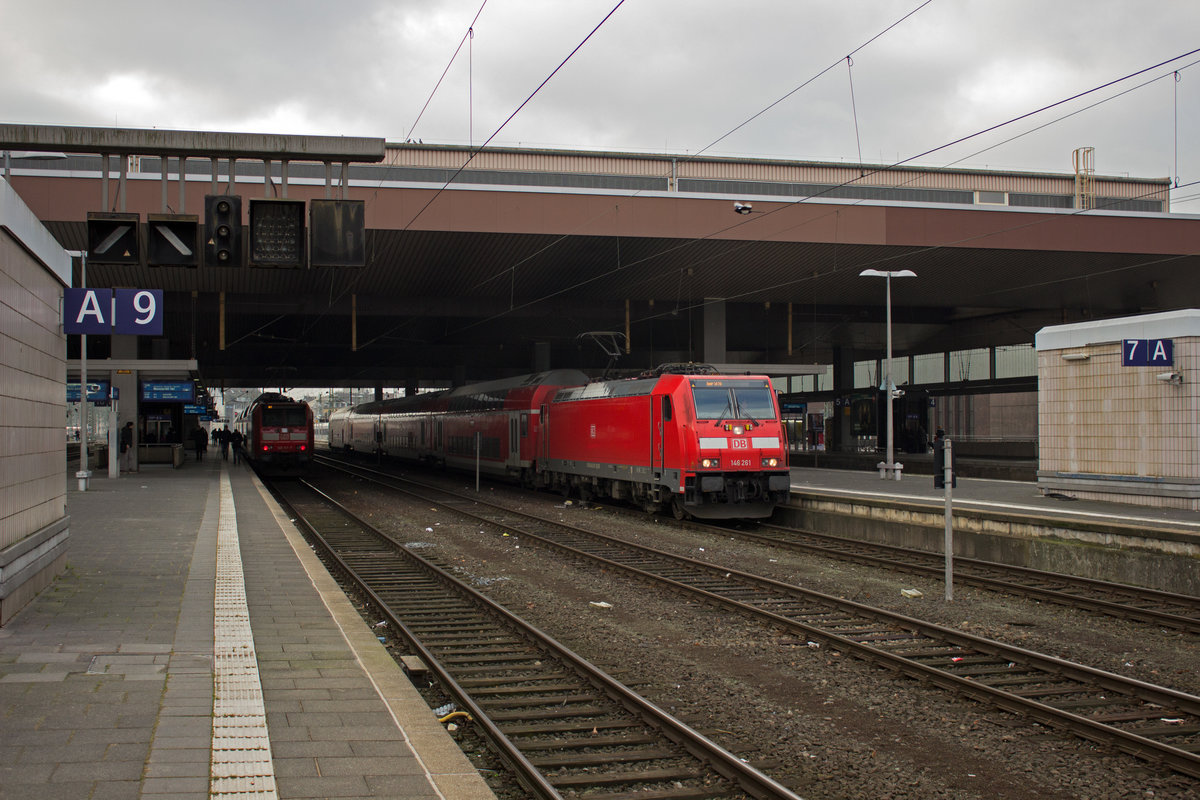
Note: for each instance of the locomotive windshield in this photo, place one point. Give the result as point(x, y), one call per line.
point(284, 417)
point(727, 399)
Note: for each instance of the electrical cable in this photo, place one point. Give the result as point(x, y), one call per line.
point(481, 147)
point(469, 33)
point(756, 115)
point(798, 201)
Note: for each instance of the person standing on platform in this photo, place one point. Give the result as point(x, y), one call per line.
point(199, 442)
point(126, 448)
point(223, 439)
point(236, 439)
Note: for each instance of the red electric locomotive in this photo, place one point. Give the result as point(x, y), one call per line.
point(708, 445)
point(704, 444)
point(278, 434)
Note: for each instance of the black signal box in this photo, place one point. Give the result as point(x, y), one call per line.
point(172, 240)
point(113, 238)
point(223, 231)
point(276, 233)
point(337, 233)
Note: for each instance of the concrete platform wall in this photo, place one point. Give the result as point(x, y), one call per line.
point(1133, 555)
point(33, 524)
point(1111, 431)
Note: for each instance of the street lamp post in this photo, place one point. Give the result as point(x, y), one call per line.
point(889, 469)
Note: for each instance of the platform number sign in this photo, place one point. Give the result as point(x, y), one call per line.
point(1148, 353)
point(136, 312)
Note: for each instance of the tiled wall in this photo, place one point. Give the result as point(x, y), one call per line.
point(1096, 416)
point(32, 396)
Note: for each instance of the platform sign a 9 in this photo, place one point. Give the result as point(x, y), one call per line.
point(137, 312)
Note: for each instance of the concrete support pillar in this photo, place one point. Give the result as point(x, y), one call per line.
point(541, 356)
point(712, 331)
point(378, 392)
point(841, 438)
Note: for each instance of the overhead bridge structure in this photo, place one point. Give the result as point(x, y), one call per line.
point(477, 265)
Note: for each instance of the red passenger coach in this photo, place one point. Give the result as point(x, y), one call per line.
point(278, 434)
point(708, 445)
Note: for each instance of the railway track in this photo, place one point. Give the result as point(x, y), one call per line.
point(1151, 722)
point(559, 724)
point(1165, 609)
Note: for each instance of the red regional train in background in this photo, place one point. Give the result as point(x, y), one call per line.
point(278, 434)
point(706, 445)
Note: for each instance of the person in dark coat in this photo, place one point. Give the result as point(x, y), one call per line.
point(200, 442)
point(126, 448)
point(236, 439)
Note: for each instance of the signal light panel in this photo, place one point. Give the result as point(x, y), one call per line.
point(277, 233)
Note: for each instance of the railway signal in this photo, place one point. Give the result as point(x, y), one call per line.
point(223, 230)
point(276, 233)
point(337, 231)
point(172, 240)
point(113, 237)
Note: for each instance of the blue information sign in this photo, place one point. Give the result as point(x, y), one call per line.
point(177, 391)
point(1148, 353)
point(97, 391)
point(192, 408)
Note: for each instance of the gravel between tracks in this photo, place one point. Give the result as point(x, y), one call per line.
point(823, 723)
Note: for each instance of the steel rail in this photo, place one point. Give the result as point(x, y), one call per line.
point(1162, 700)
point(1015, 579)
point(723, 763)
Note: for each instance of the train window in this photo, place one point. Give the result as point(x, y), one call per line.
point(755, 402)
point(524, 426)
point(666, 408)
point(284, 417)
point(712, 403)
point(734, 400)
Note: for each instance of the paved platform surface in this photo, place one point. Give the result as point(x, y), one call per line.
point(1019, 498)
point(107, 678)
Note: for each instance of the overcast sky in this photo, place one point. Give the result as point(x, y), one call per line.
point(659, 75)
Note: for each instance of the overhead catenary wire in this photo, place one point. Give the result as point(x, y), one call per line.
point(759, 113)
point(796, 202)
point(468, 35)
point(350, 287)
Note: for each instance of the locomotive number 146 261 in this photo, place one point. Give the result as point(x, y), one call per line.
point(740, 462)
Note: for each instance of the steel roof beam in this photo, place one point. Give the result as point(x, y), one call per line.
point(200, 144)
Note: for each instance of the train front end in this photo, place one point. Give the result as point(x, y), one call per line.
point(734, 449)
point(283, 437)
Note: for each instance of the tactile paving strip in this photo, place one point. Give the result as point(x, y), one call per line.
point(241, 749)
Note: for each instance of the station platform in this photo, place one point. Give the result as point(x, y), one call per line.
point(1011, 522)
point(194, 648)
point(1016, 497)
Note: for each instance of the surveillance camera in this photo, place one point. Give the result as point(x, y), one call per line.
point(1170, 377)
point(897, 393)
point(742, 208)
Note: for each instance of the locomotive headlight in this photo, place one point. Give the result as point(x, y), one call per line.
point(770, 462)
point(738, 430)
point(709, 463)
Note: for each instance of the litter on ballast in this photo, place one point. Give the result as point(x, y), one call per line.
point(600, 604)
point(912, 593)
